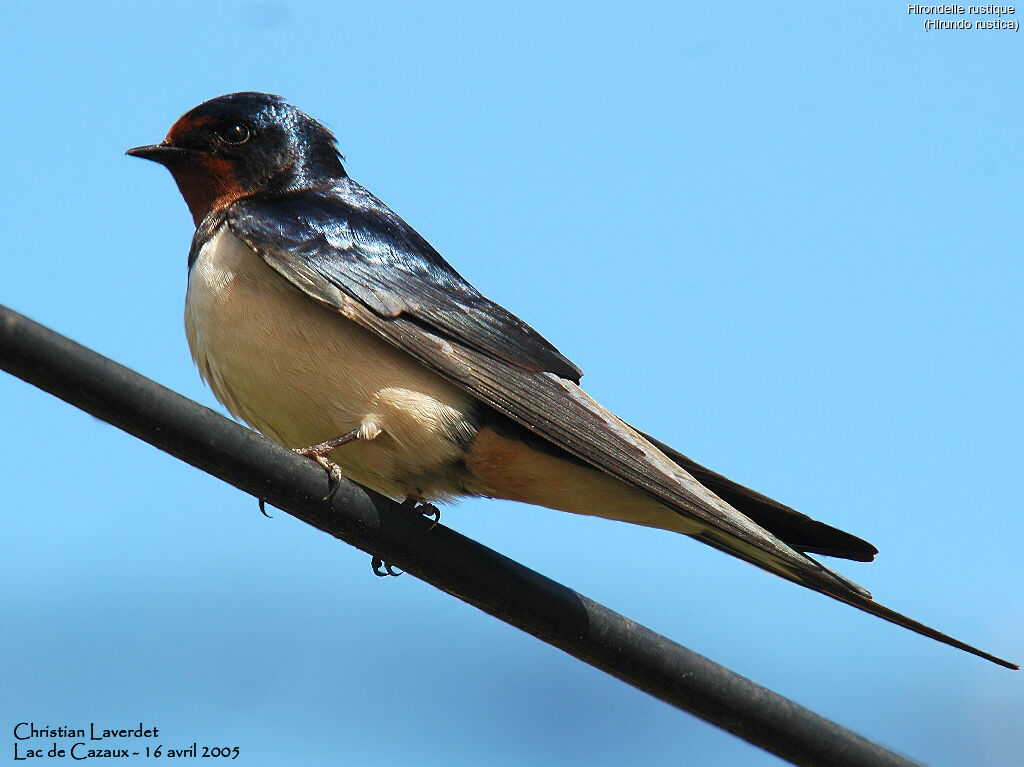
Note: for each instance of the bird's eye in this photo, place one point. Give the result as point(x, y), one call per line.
point(234, 134)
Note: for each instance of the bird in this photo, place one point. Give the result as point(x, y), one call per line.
point(324, 321)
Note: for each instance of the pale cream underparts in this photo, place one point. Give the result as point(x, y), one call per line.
point(301, 373)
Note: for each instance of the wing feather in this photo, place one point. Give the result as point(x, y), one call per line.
point(347, 250)
point(354, 243)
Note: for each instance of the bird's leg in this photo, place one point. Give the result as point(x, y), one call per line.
point(424, 508)
point(319, 454)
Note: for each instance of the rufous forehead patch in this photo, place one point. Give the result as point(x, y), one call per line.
point(185, 125)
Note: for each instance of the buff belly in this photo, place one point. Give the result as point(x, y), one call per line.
point(301, 373)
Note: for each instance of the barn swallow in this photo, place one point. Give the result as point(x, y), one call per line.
point(323, 320)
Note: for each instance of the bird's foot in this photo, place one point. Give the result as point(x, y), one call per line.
point(424, 508)
point(319, 454)
point(382, 569)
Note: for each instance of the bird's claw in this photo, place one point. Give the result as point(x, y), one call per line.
point(334, 472)
point(263, 508)
point(334, 477)
point(382, 569)
point(424, 508)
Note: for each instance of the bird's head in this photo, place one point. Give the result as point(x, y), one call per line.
point(242, 144)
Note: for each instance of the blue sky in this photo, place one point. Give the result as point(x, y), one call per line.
point(784, 238)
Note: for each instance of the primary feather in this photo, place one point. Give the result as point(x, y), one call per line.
point(323, 252)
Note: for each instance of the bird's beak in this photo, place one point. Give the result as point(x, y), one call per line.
point(161, 153)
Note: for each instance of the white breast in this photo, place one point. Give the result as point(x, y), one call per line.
point(301, 373)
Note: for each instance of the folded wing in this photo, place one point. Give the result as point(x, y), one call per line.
point(347, 250)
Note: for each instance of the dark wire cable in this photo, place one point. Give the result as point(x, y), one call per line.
point(473, 573)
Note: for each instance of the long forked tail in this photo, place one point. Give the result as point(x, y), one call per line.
point(870, 606)
point(805, 535)
point(830, 583)
point(797, 530)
